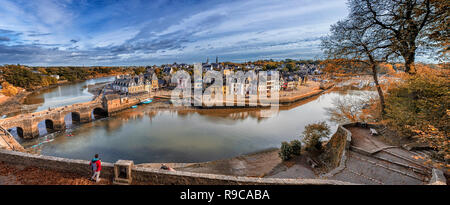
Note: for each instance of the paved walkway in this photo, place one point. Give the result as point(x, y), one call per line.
point(371, 161)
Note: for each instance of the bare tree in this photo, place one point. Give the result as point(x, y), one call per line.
point(356, 40)
point(408, 24)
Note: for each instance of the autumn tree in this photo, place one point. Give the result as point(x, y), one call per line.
point(407, 24)
point(8, 89)
point(290, 66)
point(313, 134)
point(419, 108)
point(438, 31)
point(139, 70)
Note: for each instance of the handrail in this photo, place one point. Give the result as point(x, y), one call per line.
point(6, 133)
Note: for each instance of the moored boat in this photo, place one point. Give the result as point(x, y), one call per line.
point(146, 101)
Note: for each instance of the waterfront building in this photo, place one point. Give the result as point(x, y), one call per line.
point(132, 84)
point(227, 71)
point(155, 82)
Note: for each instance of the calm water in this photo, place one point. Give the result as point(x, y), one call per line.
point(148, 135)
point(64, 94)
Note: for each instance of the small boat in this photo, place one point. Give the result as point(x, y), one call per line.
point(146, 101)
point(134, 106)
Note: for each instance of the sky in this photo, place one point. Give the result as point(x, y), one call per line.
point(133, 32)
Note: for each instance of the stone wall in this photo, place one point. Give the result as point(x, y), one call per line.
point(114, 106)
point(336, 148)
point(158, 176)
point(437, 178)
point(54, 163)
point(148, 175)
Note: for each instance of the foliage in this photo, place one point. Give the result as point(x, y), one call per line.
point(296, 147)
point(438, 32)
point(285, 151)
point(29, 78)
point(139, 70)
point(354, 108)
point(436, 139)
point(270, 67)
point(21, 76)
point(343, 66)
point(313, 134)
point(8, 89)
point(419, 108)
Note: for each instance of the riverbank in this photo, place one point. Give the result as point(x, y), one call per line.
point(13, 105)
point(21, 104)
point(262, 164)
point(256, 164)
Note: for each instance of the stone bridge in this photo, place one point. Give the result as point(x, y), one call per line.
point(27, 124)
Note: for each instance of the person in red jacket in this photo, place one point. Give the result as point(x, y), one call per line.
point(96, 165)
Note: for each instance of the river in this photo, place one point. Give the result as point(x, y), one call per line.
point(62, 95)
point(147, 135)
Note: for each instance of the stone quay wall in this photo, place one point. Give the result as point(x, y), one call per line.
point(283, 100)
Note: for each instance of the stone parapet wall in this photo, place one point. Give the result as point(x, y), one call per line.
point(158, 176)
point(54, 163)
point(148, 175)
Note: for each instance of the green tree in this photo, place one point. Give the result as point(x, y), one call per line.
point(285, 151)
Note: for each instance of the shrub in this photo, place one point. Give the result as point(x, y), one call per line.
point(285, 151)
point(8, 89)
point(296, 147)
point(419, 108)
point(313, 134)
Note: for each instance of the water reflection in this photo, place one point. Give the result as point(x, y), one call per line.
point(146, 134)
point(63, 94)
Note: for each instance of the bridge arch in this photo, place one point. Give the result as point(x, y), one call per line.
point(72, 118)
point(16, 132)
point(98, 113)
point(46, 126)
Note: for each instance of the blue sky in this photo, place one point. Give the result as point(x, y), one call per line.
point(132, 32)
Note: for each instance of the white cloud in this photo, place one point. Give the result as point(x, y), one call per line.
point(125, 32)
